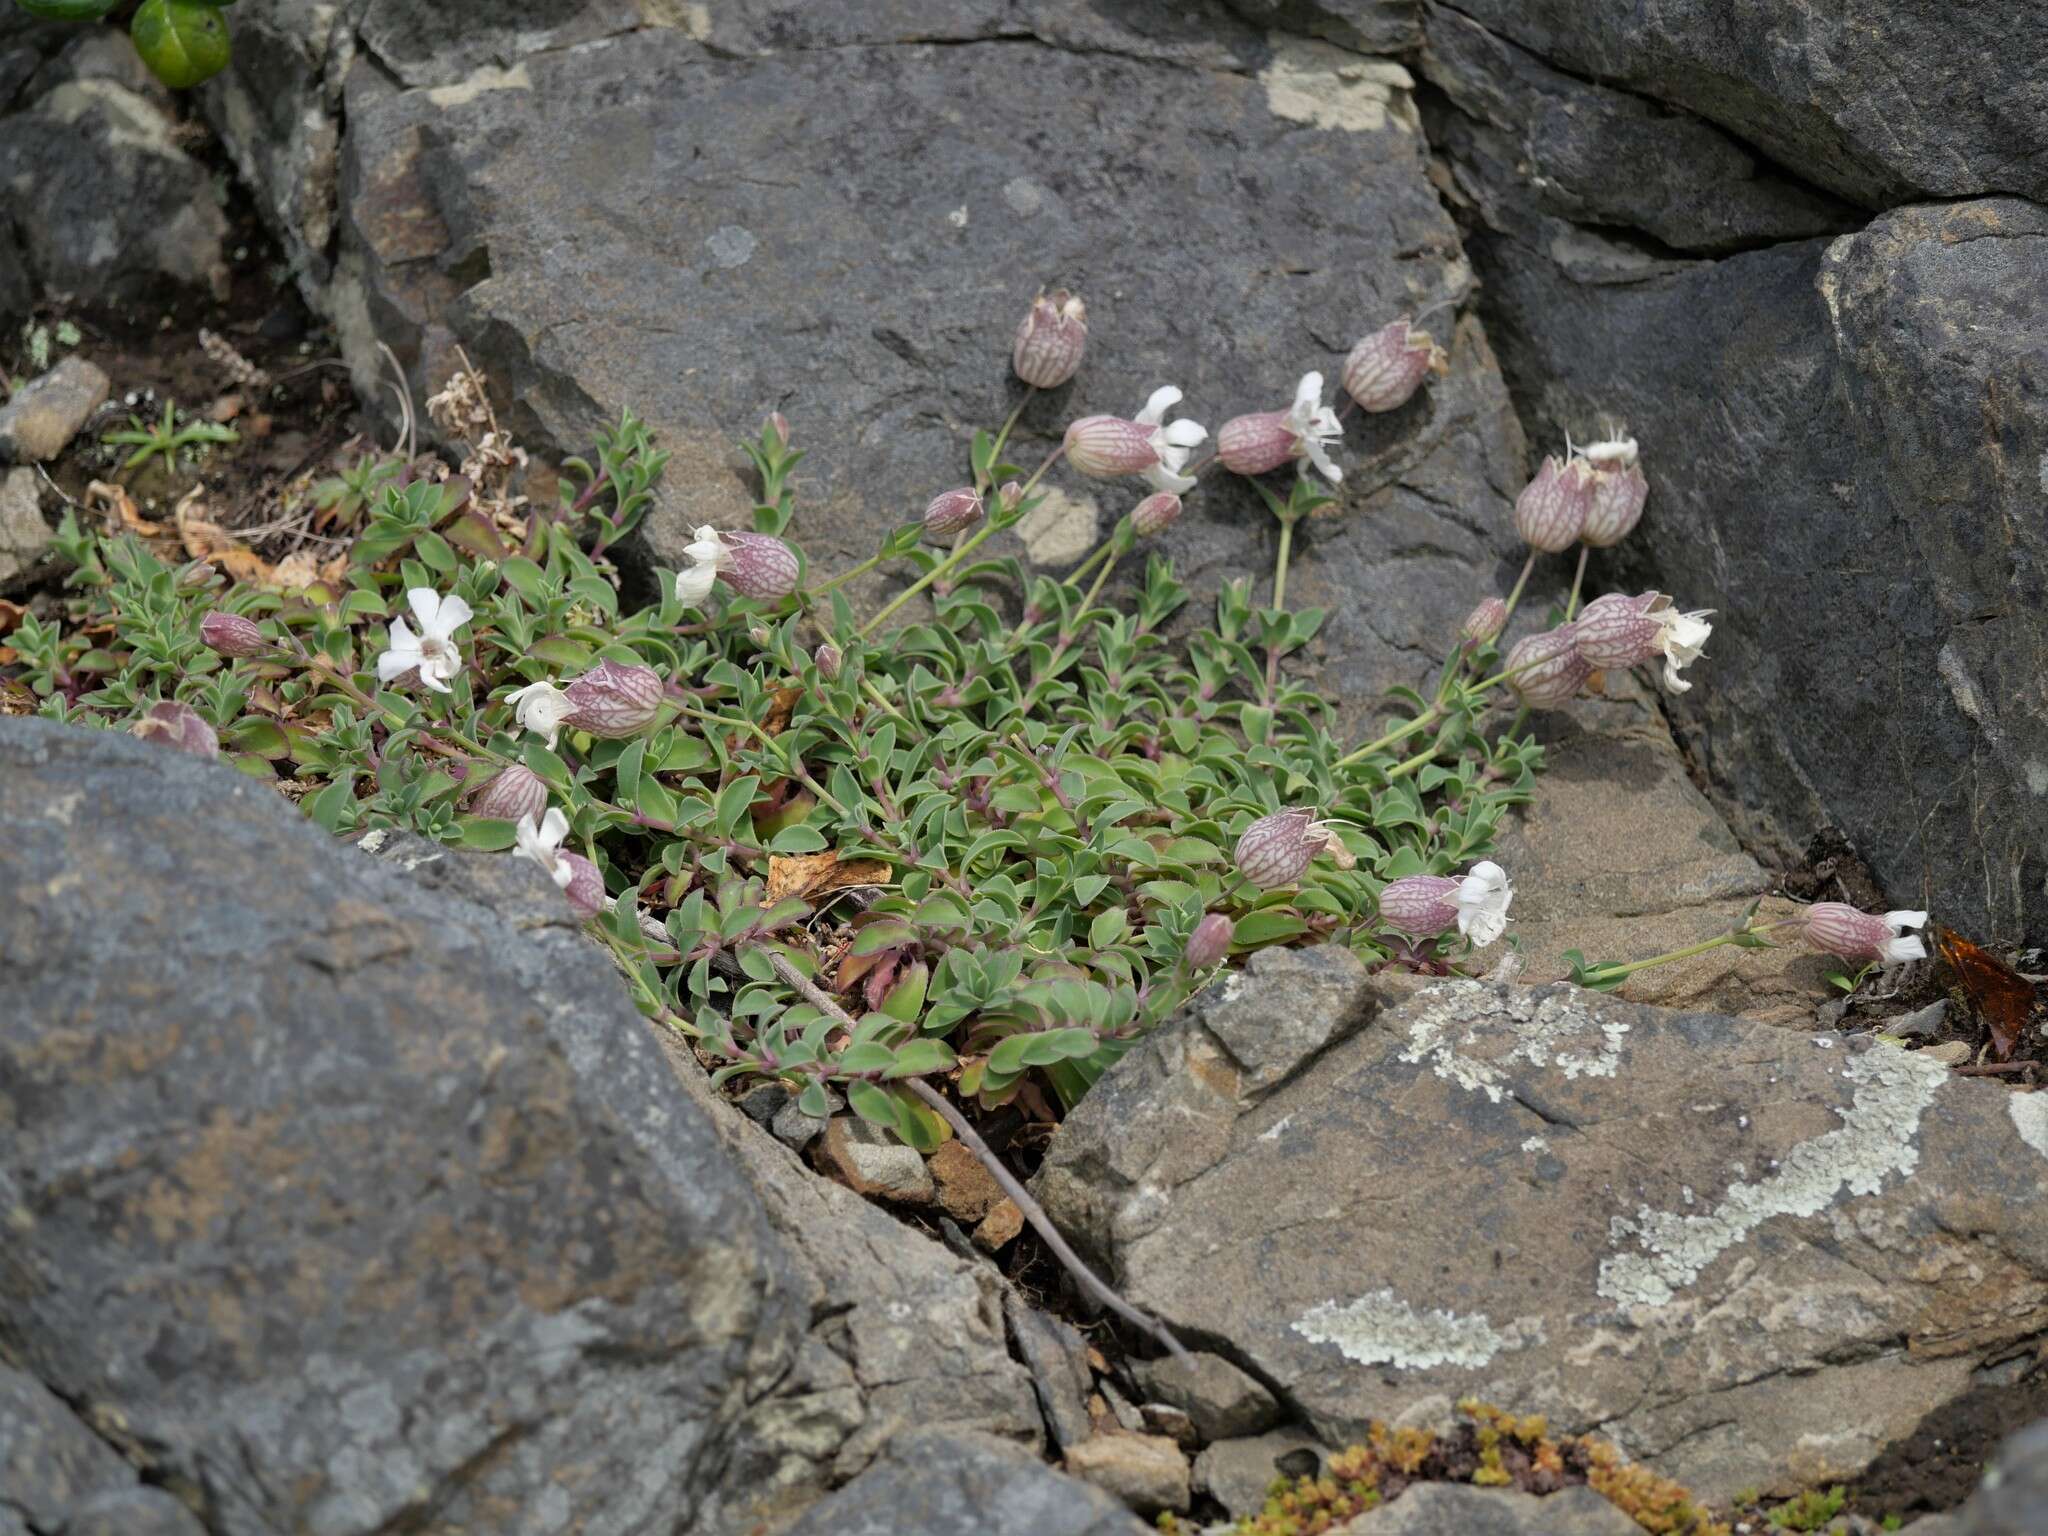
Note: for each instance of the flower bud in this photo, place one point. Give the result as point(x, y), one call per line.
point(229, 634)
point(1421, 906)
point(952, 512)
point(1051, 339)
point(779, 424)
point(1551, 510)
point(1103, 447)
point(1254, 444)
point(585, 889)
point(1275, 850)
point(612, 700)
point(1387, 367)
point(828, 659)
point(1155, 514)
point(1210, 943)
point(511, 794)
point(760, 566)
point(1619, 631)
point(1615, 505)
point(1842, 930)
point(1485, 622)
point(179, 727)
point(1546, 670)
point(1011, 495)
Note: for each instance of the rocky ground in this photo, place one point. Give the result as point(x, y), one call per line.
point(349, 1195)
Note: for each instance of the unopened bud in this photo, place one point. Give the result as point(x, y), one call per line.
point(1546, 670)
point(1551, 511)
point(1387, 367)
point(952, 512)
point(779, 425)
point(1843, 930)
point(828, 659)
point(585, 889)
point(1275, 850)
point(760, 566)
point(613, 700)
point(1051, 339)
point(229, 634)
point(179, 727)
point(1486, 621)
point(1103, 447)
point(1155, 514)
point(1011, 496)
point(511, 794)
point(1615, 504)
point(1254, 444)
point(1210, 943)
point(1421, 906)
point(762, 636)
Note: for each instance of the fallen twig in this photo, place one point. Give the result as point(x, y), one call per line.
point(1012, 1186)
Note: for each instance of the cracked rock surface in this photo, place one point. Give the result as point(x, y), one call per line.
point(1750, 1256)
point(344, 1197)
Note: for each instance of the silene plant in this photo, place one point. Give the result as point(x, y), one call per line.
point(968, 846)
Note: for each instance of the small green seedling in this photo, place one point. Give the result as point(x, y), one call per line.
point(168, 437)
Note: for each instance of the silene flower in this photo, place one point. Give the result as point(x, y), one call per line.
point(433, 653)
point(1275, 850)
point(1172, 441)
point(1105, 447)
point(1619, 631)
point(1840, 929)
point(1051, 339)
point(708, 555)
point(178, 726)
point(1386, 368)
point(1547, 670)
point(1551, 512)
point(1476, 904)
point(1265, 440)
point(614, 700)
point(540, 708)
point(539, 838)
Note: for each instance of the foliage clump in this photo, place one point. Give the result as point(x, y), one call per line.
point(1490, 1449)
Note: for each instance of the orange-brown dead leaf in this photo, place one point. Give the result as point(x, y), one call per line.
point(808, 875)
point(15, 698)
point(226, 407)
point(204, 540)
point(2003, 999)
point(11, 615)
point(104, 497)
point(782, 705)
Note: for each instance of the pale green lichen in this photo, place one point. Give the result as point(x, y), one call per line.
point(1382, 1329)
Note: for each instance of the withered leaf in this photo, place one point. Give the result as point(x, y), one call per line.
point(2002, 998)
point(806, 875)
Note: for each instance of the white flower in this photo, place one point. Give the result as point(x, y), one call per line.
point(434, 652)
point(1172, 441)
point(708, 555)
point(540, 708)
point(540, 839)
point(1683, 637)
point(1903, 946)
point(1483, 897)
point(1314, 424)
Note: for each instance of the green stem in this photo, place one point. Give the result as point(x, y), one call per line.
point(1280, 562)
point(929, 577)
point(1617, 972)
point(1399, 733)
point(1572, 606)
point(1521, 581)
point(981, 482)
point(859, 570)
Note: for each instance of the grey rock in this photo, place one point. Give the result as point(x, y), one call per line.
point(1222, 1401)
point(871, 1162)
point(534, 213)
point(101, 53)
point(49, 1462)
point(40, 419)
point(1459, 1199)
point(1878, 104)
point(964, 1485)
point(307, 1152)
point(105, 208)
point(1897, 700)
point(1238, 1473)
point(2013, 1499)
point(1283, 1008)
point(793, 1128)
point(1457, 1509)
point(133, 1512)
point(1529, 140)
point(1921, 1022)
point(1057, 1357)
point(1147, 1472)
point(24, 535)
point(905, 1335)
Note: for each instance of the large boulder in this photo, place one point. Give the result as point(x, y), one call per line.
point(841, 211)
point(1842, 417)
point(335, 1202)
point(1751, 1256)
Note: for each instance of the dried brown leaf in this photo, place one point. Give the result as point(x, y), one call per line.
point(806, 875)
point(108, 499)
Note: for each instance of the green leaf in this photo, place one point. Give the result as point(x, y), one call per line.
point(484, 835)
point(182, 41)
point(867, 1056)
point(873, 1104)
point(254, 733)
point(1255, 930)
point(814, 1100)
point(885, 933)
point(1107, 928)
point(915, 1058)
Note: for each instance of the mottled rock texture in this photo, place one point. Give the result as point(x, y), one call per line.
point(337, 1202)
point(1751, 1256)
